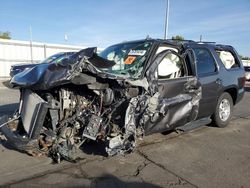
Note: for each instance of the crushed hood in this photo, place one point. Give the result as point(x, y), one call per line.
point(46, 76)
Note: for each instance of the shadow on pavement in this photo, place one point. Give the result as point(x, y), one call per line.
point(109, 181)
point(94, 148)
point(81, 181)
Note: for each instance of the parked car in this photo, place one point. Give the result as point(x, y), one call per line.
point(15, 69)
point(129, 90)
point(247, 70)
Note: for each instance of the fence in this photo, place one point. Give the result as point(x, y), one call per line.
point(21, 52)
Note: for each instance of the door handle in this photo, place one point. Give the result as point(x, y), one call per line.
point(218, 81)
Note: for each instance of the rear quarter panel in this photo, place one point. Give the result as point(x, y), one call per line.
point(233, 78)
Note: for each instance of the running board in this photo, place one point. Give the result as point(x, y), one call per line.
point(194, 124)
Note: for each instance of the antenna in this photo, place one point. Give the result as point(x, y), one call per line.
point(166, 21)
point(31, 45)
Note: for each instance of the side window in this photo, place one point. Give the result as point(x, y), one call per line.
point(205, 61)
point(227, 59)
point(171, 67)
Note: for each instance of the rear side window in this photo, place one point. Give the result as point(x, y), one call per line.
point(228, 59)
point(205, 61)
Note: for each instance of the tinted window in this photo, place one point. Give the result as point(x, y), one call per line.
point(205, 61)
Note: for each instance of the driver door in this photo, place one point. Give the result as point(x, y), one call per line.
point(175, 89)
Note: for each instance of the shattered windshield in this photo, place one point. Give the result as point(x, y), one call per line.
point(129, 57)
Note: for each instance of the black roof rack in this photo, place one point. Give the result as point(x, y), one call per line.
point(177, 40)
point(206, 42)
point(191, 41)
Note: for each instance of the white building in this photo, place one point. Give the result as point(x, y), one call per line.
point(16, 52)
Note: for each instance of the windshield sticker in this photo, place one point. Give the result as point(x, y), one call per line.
point(130, 60)
point(137, 52)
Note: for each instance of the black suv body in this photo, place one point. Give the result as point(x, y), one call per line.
point(128, 90)
point(216, 78)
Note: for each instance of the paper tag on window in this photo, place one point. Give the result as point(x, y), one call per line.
point(137, 52)
point(130, 60)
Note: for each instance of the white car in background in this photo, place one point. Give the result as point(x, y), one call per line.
point(247, 70)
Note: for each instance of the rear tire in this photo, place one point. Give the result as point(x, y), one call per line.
point(224, 110)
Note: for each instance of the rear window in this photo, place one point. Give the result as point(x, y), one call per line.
point(228, 59)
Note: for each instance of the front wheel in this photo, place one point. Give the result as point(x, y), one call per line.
point(223, 111)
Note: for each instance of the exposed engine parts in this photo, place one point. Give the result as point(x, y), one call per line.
point(75, 114)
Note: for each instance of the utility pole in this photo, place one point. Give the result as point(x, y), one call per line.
point(166, 21)
point(31, 45)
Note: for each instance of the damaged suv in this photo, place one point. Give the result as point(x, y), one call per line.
point(127, 91)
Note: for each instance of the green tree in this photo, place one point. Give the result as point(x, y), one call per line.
point(5, 35)
point(177, 37)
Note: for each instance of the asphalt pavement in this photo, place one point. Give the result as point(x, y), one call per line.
point(205, 157)
point(9, 101)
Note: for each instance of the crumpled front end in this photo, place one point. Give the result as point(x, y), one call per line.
point(57, 122)
point(68, 104)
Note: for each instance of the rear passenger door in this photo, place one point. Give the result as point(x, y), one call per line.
point(208, 76)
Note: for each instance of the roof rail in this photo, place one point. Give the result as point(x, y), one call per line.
point(177, 40)
point(205, 42)
point(192, 41)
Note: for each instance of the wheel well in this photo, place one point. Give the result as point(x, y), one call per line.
point(233, 93)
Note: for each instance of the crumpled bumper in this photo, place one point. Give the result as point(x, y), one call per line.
point(16, 140)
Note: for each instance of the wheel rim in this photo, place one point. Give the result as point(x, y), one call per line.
point(224, 110)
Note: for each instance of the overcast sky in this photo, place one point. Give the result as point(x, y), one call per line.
point(105, 22)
